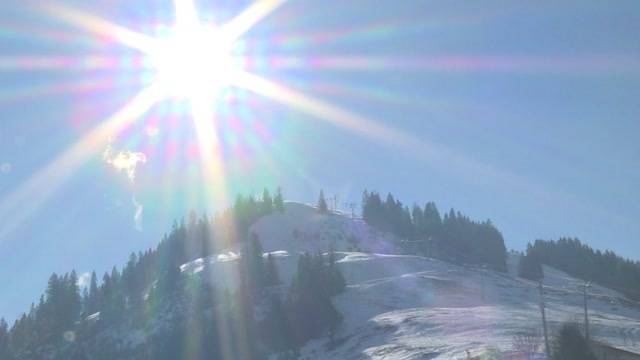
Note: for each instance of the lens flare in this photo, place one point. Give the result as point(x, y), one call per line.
point(21, 203)
point(194, 61)
point(101, 27)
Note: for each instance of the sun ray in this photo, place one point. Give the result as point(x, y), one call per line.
point(323, 110)
point(15, 31)
point(186, 13)
point(211, 155)
point(47, 63)
point(200, 91)
point(501, 64)
point(24, 200)
point(248, 18)
point(101, 27)
point(202, 99)
point(428, 150)
point(80, 87)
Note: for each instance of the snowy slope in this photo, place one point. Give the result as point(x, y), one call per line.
point(411, 307)
point(436, 310)
point(301, 228)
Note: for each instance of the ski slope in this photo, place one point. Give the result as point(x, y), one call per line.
point(412, 307)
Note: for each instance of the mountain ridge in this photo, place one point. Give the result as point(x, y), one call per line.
point(394, 305)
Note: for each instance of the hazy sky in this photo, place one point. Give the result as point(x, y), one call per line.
point(524, 112)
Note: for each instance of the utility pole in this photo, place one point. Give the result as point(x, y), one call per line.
point(482, 274)
point(586, 310)
point(351, 206)
point(544, 320)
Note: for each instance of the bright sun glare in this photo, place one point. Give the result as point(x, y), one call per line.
point(194, 61)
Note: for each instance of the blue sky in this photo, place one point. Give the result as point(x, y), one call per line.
point(525, 113)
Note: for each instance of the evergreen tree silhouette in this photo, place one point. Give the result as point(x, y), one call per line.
point(278, 201)
point(529, 266)
point(570, 344)
point(267, 202)
point(4, 340)
point(272, 271)
point(322, 203)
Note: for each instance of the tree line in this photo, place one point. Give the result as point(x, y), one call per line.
point(582, 261)
point(422, 230)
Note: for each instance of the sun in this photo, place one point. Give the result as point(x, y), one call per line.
point(194, 61)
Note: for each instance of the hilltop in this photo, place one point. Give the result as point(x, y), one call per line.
point(414, 307)
point(390, 303)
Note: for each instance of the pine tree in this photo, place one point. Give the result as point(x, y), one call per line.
point(309, 302)
point(276, 327)
point(85, 302)
point(253, 277)
point(272, 272)
point(72, 301)
point(322, 203)
point(529, 266)
point(390, 215)
point(52, 316)
point(4, 340)
point(278, 201)
point(115, 277)
point(267, 202)
point(130, 281)
point(256, 261)
point(337, 282)
point(365, 206)
point(112, 299)
point(20, 333)
point(570, 344)
point(93, 305)
point(432, 219)
point(418, 222)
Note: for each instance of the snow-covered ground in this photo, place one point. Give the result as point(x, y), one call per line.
point(411, 307)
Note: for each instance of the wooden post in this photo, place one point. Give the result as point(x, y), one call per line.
point(544, 321)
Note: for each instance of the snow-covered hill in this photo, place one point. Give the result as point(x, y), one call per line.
point(301, 228)
point(411, 307)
